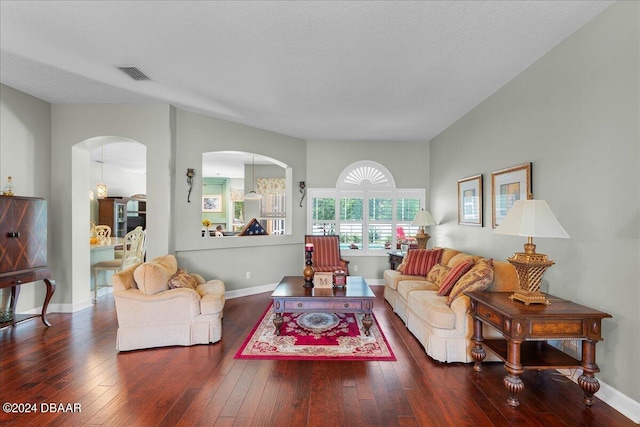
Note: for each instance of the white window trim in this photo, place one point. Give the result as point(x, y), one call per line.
point(364, 190)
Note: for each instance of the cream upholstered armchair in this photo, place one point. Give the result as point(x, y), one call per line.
point(160, 305)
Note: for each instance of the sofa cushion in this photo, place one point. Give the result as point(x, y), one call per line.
point(407, 286)
point(153, 276)
point(452, 277)
point(437, 273)
point(182, 279)
point(505, 277)
point(393, 277)
point(478, 278)
point(433, 309)
point(420, 261)
point(460, 258)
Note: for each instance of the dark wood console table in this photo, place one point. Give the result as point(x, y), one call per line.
point(526, 328)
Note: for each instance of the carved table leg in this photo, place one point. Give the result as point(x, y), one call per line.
point(277, 322)
point(367, 322)
point(477, 352)
point(15, 294)
point(587, 381)
point(512, 381)
point(51, 288)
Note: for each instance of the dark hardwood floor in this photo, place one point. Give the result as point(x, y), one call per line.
point(75, 362)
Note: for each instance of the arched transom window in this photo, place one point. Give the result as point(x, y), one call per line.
point(366, 210)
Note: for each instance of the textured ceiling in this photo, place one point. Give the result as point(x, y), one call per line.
point(339, 70)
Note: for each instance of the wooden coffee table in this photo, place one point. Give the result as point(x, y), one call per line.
point(291, 297)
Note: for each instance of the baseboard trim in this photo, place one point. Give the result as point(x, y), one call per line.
point(609, 395)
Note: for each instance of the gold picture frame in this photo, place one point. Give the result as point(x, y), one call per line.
point(323, 280)
point(470, 201)
point(507, 186)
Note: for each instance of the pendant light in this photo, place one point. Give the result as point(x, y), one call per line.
point(252, 195)
point(101, 188)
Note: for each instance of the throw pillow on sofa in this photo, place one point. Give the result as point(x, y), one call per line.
point(420, 261)
point(182, 279)
point(478, 278)
point(455, 273)
point(437, 273)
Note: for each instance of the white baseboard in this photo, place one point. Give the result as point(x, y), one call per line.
point(250, 291)
point(612, 397)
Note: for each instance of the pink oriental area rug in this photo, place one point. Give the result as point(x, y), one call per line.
point(315, 336)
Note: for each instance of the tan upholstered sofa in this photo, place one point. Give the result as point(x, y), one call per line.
point(443, 329)
point(151, 314)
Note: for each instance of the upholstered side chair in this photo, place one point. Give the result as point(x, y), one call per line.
point(326, 253)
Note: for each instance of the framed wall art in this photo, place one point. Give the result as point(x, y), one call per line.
point(507, 186)
point(470, 201)
point(212, 203)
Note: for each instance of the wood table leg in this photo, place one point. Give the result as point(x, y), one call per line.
point(512, 381)
point(15, 294)
point(587, 381)
point(51, 288)
point(477, 352)
point(367, 322)
point(277, 322)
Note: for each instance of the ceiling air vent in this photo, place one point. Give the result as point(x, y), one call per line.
point(133, 72)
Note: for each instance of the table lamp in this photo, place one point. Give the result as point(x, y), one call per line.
point(423, 219)
point(530, 218)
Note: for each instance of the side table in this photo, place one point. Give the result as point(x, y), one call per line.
point(526, 328)
point(395, 259)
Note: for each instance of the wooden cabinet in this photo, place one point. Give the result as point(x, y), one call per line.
point(23, 249)
point(122, 214)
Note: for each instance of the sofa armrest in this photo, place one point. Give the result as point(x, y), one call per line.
point(212, 294)
point(461, 306)
point(135, 308)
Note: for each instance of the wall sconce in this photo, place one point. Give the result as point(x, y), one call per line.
point(303, 191)
point(190, 174)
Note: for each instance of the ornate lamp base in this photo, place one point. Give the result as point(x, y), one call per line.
point(530, 267)
point(422, 238)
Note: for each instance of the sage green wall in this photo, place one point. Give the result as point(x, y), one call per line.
point(408, 162)
point(574, 114)
point(267, 258)
point(76, 130)
point(25, 152)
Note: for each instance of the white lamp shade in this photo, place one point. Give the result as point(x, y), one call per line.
point(531, 218)
point(423, 219)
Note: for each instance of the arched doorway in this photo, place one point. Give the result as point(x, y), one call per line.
point(118, 169)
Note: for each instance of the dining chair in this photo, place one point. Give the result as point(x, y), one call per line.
point(103, 233)
point(133, 251)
